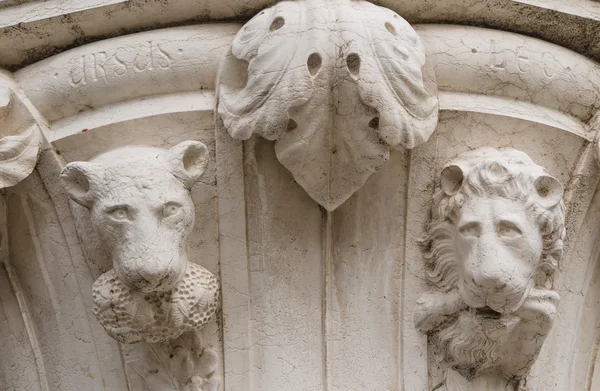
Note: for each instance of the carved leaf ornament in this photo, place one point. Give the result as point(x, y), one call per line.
point(336, 84)
point(20, 142)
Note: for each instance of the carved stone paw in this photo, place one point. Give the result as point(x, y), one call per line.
point(434, 309)
point(540, 306)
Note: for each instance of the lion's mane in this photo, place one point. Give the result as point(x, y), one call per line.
point(506, 174)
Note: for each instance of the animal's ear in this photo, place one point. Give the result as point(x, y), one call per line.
point(549, 191)
point(187, 161)
point(452, 179)
point(78, 178)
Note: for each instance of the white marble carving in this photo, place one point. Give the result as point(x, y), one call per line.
point(183, 364)
point(336, 84)
point(312, 299)
point(20, 142)
point(135, 203)
point(493, 244)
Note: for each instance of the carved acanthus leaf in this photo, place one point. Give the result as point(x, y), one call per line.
point(336, 83)
point(21, 144)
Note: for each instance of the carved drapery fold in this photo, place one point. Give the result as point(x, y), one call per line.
point(336, 84)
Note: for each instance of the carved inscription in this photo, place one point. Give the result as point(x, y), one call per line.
point(100, 66)
point(523, 60)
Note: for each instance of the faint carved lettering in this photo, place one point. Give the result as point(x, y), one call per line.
point(498, 57)
point(522, 59)
point(549, 64)
point(101, 66)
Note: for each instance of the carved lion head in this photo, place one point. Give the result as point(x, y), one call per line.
point(497, 228)
point(494, 241)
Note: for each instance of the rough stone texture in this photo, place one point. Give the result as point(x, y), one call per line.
point(312, 299)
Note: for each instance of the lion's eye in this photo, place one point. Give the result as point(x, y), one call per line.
point(508, 229)
point(171, 209)
point(120, 213)
point(472, 229)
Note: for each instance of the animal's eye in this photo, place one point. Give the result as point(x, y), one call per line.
point(472, 229)
point(170, 209)
point(119, 213)
point(508, 229)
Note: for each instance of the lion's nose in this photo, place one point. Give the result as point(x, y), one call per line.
point(486, 272)
point(489, 281)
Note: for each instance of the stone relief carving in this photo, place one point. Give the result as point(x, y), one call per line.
point(493, 244)
point(135, 207)
point(336, 84)
point(20, 144)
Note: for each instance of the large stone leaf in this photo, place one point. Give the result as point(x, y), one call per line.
point(19, 149)
point(336, 83)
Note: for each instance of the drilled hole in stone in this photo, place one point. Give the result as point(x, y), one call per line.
point(353, 63)
point(314, 63)
point(278, 23)
point(390, 28)
point(291, 125)
point(374, 123)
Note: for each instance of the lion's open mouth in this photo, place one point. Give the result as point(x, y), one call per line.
point(487, 312)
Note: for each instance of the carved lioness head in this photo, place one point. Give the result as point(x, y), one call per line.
point(141, 208)
point(494, 241)
point(135, 205)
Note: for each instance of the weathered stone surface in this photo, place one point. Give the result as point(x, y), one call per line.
point(320, 282)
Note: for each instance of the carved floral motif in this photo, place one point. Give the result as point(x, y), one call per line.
point(495, 239)
point(336, 84)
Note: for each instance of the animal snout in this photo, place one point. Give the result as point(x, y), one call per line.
point(490, 281)
point(151, 274)
point(487, 273)
point(154, 277)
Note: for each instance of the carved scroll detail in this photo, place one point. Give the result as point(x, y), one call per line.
point(493, 244)
point(336, 84)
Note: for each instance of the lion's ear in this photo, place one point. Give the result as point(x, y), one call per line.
point(549, 191)
point(452, 179)
point(187, 161)
point(78, 178)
